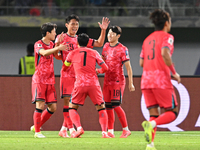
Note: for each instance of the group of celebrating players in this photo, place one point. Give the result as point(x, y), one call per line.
point(79, 76)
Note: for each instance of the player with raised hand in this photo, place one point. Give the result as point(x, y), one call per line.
point(87, 84)
point(43, 80)
point(67, 78)
point(116, 55)
point(156, 86)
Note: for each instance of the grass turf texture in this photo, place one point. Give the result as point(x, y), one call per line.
point(91, 140)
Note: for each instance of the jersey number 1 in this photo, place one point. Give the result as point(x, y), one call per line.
point(84, 59)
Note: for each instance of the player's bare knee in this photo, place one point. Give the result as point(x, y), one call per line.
point(73, 106)
point(100, 107)
point(40, 105)
point(52, 107)
point(155, 111)
point(66, 101)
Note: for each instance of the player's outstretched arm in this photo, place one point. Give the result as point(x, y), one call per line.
point(48, 52)
point(130, 75)
point(103, 68)
point(103, 26)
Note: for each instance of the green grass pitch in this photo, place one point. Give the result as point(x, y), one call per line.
point(91, 140)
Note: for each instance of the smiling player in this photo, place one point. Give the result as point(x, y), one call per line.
point(67, 78)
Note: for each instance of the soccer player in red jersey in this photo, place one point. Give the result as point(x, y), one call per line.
point(68, 76)
point(116, 55)
point(156, 86)
point(87, 84)
point(43, 80)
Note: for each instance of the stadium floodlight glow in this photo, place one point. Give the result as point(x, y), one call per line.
point(183, 111)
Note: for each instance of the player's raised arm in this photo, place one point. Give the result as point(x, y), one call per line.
point(103, 26)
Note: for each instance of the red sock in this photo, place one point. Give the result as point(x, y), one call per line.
point(37, 120)
point(46, 114)
point(165, 118)
point(111, 118)
point(67, 121)
point(154, 133)
point(64, 124)
point(121, 115)
point(75, 117)
point(103, 120)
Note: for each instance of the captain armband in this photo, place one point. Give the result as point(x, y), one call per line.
point(67, 63)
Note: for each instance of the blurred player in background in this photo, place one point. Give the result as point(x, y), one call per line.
point(43, 80)
point(155, 58)
point(115, 56)
point(84, 62)
point(68, 76)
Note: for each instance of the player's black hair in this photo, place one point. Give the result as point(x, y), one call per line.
point(30, 48)
point(159, 17)
point(83, 39)
point(116, 29)
point(47, 27)
point(73, 16)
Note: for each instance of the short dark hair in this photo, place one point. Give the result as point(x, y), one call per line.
point(47, 27)
point(159, 17)
point(30, 48)
point(83, 39)
point(73, 16)
point(116, 29)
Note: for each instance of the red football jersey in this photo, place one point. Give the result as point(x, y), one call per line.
point(115, 56)
point(156, 74)
point(73, 44)
point(84, 63)
point(44, 65)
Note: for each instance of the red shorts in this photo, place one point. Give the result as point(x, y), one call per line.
point(80, 93)
point(165, 98)
point(44, 92)
point(113, 93)
point(66, 86)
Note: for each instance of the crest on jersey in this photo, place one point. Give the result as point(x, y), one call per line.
point(170, 41)
point(39, 45)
